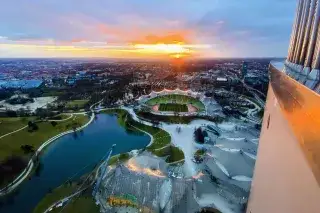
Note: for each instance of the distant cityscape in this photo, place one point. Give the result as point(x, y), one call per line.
point(159, 106)
point(204, 117)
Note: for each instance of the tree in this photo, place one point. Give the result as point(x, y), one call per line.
point(11, 113)
point(27, 149)
point(35, 127)
point(199, 135)
point(32, 126)
point(30, 123)
point(22, 112)
point(87, 107)
point(53, 123)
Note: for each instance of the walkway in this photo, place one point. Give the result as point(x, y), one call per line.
point(2, 136)
point(182, 140)
point(63, 200)
point(13, 132)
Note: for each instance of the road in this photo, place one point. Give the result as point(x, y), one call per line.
point(260, 101)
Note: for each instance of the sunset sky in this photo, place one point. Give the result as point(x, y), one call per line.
point(145, 28)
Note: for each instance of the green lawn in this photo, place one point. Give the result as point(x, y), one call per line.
point(11, 124)
point(54, 196)
point(178, 99)
point(172, 153)
point(160, 137)
point(10, 145)
point(82, 204)
point(172, 107)
point(119, 158)
point(200, 152)
point(60, 117)
point(13, 158)
point(76, 103)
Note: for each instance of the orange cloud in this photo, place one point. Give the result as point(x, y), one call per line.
point(166, 39)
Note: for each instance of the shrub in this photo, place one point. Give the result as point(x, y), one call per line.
point(199, 135)
point(27, 149)
point(53, 123)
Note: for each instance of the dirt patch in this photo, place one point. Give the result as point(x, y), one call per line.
point(192, 108)
point(155, 108)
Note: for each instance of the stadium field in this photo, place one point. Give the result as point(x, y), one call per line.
point(169, 107)
point(176, 99)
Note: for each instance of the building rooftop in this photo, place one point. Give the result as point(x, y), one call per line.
point(23, 84)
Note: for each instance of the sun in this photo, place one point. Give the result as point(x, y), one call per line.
point(177, 56)
point(177, 50)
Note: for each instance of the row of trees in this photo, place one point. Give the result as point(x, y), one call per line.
point(199, 135)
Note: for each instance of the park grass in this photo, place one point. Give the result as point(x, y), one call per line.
point(199, 152)
point(57, 194)
point(82, 204)
point(60, 117)
point(76, 103)
point(176, 98)
point(10, 124)
point(173, 107)
point(10, 145)
point(120, 158)
point(161, 138)
point(172, 154)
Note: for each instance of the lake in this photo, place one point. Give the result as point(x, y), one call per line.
point(69, 155)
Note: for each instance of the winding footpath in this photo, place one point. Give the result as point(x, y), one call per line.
point(26, 172)
point(2, 136)
point(22, 128)
point(63, 200)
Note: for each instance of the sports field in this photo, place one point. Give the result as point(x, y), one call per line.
point(176, 99)
point(173, 107)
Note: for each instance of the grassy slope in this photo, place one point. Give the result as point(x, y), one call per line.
point(161, 138)
point(172, 153)
point(10, 145)
point(11, 124)
point(200, 152)
point(60, 117)
point(82, 204)
point(54, 196)
point(118, 158)
point(79, 103)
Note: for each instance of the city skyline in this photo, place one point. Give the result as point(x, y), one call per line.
point(143, 29)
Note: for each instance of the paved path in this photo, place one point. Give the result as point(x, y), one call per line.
point(63, 200)
point(63, 119)
point(2, 136)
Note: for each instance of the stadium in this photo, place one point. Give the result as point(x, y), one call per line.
point(174, 101)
